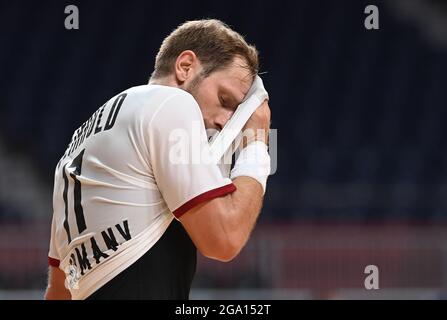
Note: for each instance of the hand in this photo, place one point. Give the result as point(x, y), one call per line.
point(257, 127)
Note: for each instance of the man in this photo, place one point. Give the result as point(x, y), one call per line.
point(127, 218)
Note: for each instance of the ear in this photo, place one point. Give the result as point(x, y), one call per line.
point(186, 66)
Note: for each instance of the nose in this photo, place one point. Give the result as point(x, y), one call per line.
point(222, 119)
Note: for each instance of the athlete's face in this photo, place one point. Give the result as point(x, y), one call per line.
point(219, 94)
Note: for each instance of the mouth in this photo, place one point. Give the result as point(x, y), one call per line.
point(211, 133)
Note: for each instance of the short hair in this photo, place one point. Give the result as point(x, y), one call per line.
point(214, 43)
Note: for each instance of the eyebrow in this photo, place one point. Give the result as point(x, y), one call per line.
point(234, 97)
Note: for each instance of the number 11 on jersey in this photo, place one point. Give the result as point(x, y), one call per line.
point(74, 169)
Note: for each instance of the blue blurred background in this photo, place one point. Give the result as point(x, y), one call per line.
point(362, 164)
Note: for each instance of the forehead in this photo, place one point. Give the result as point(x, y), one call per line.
point(236, 78)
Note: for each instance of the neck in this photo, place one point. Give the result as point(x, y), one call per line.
point(165, 81)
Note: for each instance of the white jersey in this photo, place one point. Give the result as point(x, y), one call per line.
point(116, 189)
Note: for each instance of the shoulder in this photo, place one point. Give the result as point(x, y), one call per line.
point(154, 99)
point(160, 93)
point(176, 103)
point(145, 103)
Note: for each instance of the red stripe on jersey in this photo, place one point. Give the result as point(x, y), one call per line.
point(211, 194)
point(53, 262)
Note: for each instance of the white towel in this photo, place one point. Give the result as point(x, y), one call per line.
point(224, 143)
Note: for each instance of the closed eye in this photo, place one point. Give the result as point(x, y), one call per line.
point(226, 104)
point(222, 101)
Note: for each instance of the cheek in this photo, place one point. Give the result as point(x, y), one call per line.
point(209, 106)
point(208, 100)
point(208, 95)
point(226, 114)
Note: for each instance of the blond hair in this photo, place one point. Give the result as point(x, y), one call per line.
point(214, 43)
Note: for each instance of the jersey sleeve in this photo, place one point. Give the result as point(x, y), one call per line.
point(180, 156)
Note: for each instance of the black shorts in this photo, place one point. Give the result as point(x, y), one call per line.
point(166, 271)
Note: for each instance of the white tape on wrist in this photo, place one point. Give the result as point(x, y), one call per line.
point(253, 161)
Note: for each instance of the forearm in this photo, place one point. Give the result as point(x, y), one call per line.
point(245, 204)
point(249, 174)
